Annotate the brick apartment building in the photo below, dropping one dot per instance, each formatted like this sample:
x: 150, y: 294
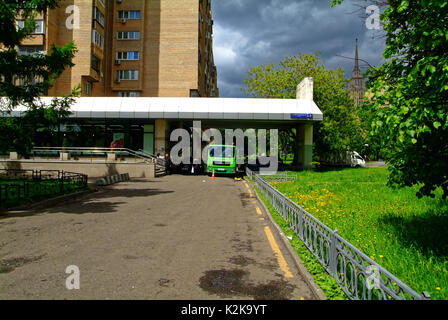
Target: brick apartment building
x: 132, y: 48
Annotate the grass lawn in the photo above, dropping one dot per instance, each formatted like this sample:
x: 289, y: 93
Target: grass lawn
x: 407, y: 236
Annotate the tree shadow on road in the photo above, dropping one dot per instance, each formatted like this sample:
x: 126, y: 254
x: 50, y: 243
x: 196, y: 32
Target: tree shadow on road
x: 132, y: 193
x: 98, y: 202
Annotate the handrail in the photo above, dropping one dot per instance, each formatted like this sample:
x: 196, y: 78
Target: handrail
x: 147, y: 154
x: 92, y: 150
x: 159, y: 161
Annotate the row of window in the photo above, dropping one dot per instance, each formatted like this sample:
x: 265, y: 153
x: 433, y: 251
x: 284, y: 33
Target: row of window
x: 126, y: 75
x: 30, y: 50
x: 129, y: 14
x: 88, y: 91
x: 128, y: 55
x: 128, y: 35
x: 129, y: 93
x: 98, y: 39
x: 122, y: 35
x: 40, y: 26
x: 98, y: 16
x: 123, y: 94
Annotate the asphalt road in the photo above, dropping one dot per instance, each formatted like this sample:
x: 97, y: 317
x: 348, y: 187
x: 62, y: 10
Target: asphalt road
x: 176, y: 237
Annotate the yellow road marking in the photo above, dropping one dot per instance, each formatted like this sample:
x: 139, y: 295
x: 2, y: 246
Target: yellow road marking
x: 280, y: 259
x: 258, y: 211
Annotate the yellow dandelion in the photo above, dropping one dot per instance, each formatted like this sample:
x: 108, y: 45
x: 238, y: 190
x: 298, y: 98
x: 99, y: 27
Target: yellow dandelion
x: 438, y: 288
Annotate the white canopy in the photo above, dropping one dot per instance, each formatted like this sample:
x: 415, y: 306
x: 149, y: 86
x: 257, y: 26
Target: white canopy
x: 191, y: 108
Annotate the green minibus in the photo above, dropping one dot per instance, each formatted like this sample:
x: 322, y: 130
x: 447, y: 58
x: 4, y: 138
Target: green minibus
x: 221, y: 158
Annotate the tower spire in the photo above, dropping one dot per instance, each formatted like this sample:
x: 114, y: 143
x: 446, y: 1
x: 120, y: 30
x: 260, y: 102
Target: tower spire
x: 356, y: 57
x: 357, y: 84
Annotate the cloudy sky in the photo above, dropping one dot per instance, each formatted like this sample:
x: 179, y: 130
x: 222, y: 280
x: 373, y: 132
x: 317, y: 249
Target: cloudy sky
x: 253, y: 32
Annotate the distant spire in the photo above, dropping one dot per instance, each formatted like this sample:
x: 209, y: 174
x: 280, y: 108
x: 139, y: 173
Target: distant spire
x: 356, y: 57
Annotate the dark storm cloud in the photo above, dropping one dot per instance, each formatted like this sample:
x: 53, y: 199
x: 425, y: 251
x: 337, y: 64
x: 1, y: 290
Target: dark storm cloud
x: 253, y: 32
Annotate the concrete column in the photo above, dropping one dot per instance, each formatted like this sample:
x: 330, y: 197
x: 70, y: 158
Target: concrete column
x: 64, y: 156
x: 161, y: 136
x: 111, y: 156
x: 299, y: 144
x: 307, y: 153
x: 13, y: 156
x: 305, y: 89
x: 304, y: 144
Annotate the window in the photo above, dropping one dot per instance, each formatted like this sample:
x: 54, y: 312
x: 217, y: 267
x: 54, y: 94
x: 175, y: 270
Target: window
x: 40, y: 26
x: 222, y: 152
x: 30, y: 50
x: 87, y: 88
x: 98, y: 16
x: 132, y: 14
x: 127, y: 75
x: 129, y: 94
x: 29, y: 80
x: 96, y: 63
x: 128, y: 35
x: 98, y: 39
x: 130, y: 55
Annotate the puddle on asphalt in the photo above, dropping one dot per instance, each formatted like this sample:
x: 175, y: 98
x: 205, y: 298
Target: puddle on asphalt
x: 227, y: 283
x: 8, y: 265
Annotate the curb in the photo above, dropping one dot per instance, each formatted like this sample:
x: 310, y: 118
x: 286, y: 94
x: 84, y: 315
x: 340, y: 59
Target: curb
x: 317, y: 291
x: 113, y: 179
x: 51, y: 202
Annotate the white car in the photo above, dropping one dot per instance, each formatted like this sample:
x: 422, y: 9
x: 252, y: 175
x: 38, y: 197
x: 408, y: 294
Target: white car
x: 355, y: 159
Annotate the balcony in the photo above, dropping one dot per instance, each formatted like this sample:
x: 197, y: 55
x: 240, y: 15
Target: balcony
x: 34, y: 40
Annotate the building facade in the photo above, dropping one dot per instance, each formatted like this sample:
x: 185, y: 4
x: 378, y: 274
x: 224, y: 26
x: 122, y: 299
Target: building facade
x: 131, y: 48
x: 126, y: 49
x: 357, y: 84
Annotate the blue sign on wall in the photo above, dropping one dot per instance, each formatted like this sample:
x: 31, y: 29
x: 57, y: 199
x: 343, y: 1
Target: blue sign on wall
x: 301, y: 115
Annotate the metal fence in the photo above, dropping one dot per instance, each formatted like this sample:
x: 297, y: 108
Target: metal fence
x: 17, y: 185
x: 360, y: 277
x: 91, y: 153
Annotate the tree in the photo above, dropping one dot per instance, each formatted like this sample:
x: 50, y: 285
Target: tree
x: 17, y: 133
x: 410, y: 94
x: 340, y: 131
x: 24, y: 78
